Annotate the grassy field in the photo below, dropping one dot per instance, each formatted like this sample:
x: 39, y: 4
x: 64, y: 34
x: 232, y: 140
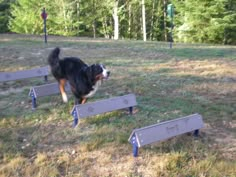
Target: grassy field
x: 168, y: 83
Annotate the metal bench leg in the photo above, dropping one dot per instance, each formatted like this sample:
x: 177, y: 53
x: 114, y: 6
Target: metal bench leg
x: 33, y: 102
x: 135, y: 150
x: 45, y: 78
x: 135, y: 146
x: 196, y: 133
x: 75, y: 123
x: 76, y: 119
x: 130, y: 110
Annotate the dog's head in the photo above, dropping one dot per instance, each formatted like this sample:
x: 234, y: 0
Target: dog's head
x: 98, y: 72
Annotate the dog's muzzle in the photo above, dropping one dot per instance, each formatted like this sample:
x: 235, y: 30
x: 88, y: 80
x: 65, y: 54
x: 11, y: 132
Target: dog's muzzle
x: 106, y: 74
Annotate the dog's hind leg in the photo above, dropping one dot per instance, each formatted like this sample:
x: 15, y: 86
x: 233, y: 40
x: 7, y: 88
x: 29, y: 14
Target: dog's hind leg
x: 62, y: 83
x: 80, y: 101
x: 83, y: 100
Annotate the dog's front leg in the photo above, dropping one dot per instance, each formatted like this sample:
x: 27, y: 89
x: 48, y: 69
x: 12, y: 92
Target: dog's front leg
x: 62, y: 83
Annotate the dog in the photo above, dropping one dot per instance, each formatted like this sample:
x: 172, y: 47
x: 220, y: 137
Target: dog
x: 84, y: 80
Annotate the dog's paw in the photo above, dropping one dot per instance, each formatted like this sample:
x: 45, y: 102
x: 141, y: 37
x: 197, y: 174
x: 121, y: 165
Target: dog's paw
x: 64, y: 98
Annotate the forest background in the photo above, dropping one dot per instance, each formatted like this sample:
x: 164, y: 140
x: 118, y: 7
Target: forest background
x: 194, y: 21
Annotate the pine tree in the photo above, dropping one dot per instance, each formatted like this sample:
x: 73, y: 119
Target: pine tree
x: 26, y: 17
x: 4, y: 15
x: 202, y: 20
x: 230, y: 23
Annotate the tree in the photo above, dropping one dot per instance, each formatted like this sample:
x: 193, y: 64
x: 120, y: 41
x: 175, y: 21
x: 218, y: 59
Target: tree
x: 89, y: 17
x: 144, y: 21
x: 116, y: 20
x: 4, y: 15
x: 61, y: 17
x: 212, y: 21
x: 230, y: 23
x: 25, y: 17
x: 203, y: 20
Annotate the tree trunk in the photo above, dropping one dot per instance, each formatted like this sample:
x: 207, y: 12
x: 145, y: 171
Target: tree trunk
x: 144, y: 21
x: 65, y: 28
x: 104, y: 25
x: 94, y: 21
x: 152, y: 19
x: 116, y: 20
x: 164, y: 14
x: 129, y: 28
x: 94, y: 28
x: 78, y: 13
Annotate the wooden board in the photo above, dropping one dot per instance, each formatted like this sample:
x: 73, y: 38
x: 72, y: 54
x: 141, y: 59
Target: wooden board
x: 107, y: 105
x: 165, y: 130
x: 24, y: 74
x: 47, y: 89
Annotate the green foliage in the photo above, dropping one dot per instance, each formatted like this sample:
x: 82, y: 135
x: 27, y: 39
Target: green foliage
x: 202, y: 21
x: 4, y: 15
x: 205, y: 21
x: 230, y: 23
x: 27, y: 17
x: 96, y: 18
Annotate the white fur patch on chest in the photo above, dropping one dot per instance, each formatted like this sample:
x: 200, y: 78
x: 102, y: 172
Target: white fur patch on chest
x: 95, y: 88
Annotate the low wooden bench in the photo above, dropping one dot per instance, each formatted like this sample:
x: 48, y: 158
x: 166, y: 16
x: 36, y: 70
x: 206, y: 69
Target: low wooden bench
x: 164, y: 130
x: 103, y: 106
x: 24, y: 74
x: 45, y: 90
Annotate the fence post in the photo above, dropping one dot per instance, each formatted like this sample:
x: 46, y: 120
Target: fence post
x: 44, y: 17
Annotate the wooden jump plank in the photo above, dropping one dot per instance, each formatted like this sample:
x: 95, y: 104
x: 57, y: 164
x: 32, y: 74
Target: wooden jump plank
x: 24, y: 74
x: 45, y: 90
x: 165, y: 130
x: 103, y: 106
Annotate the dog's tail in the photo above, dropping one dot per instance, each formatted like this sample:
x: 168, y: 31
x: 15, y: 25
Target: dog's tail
x: 53, y: 58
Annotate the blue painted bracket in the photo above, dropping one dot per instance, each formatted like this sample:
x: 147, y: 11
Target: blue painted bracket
x: 135, y: 145
x: 76, y: 118
x: 33, y: 98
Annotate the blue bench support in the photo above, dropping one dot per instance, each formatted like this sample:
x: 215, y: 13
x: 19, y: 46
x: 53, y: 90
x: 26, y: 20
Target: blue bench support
x: 45, y: 90
x: 46, y: 78
x: 165, y: 130
x: 103, y: 106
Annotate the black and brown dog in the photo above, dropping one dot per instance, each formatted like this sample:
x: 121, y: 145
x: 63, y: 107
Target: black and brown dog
x: 84, y: 80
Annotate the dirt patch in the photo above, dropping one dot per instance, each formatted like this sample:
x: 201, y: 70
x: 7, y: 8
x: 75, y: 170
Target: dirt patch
x: 223, y: 139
